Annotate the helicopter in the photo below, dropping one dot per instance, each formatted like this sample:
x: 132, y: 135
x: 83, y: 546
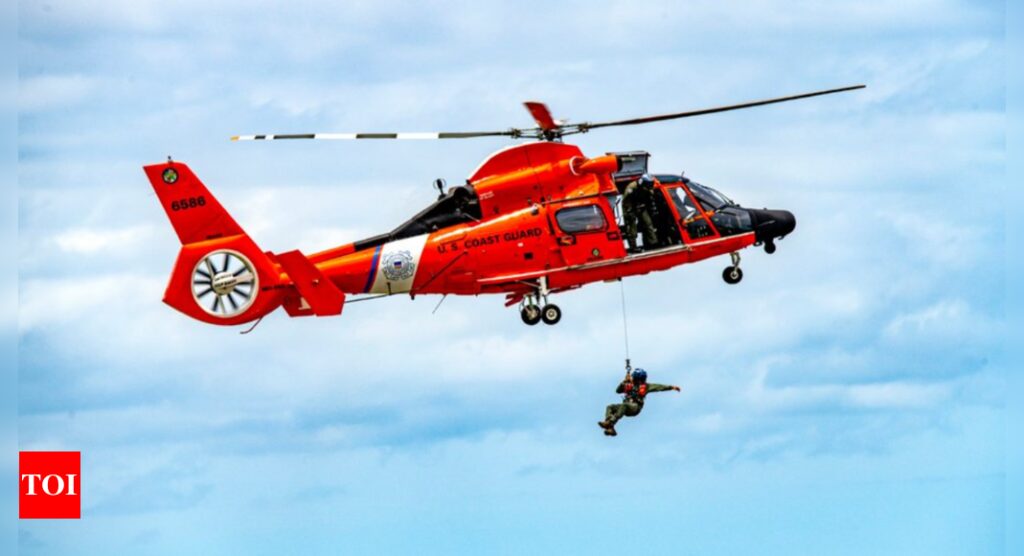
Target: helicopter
x: 533, y: 220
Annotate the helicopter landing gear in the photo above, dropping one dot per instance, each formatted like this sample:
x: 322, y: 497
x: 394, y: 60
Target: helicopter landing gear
x: 530, y: 313
x: 769, y: 247
x: 551, y: 314
x: 732, y: 274
x: 533, y: 312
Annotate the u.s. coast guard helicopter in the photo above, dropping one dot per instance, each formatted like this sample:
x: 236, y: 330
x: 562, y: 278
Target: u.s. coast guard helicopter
x: 531, y: 221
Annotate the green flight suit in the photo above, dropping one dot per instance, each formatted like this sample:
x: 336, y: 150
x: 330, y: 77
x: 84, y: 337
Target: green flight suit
x: 632, y: 403
x: 637, y: 200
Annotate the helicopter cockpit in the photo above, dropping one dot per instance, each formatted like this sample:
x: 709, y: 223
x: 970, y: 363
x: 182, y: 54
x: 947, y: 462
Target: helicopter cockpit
x: 685, y: 211
x: 726, y: 216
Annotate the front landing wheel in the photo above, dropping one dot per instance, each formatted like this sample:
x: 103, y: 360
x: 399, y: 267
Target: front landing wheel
x: 530, y: 314
x: 551, y: 314
x: 732, y: 275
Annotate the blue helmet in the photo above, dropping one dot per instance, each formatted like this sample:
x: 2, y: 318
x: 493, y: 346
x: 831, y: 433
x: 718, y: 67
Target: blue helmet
x: 639, y: 375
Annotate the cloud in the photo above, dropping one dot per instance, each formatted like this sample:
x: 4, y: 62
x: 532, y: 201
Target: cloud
x: 897, y: 395
x: 167, y: 481
x: 92, y: 241
x: 864, y: 345
x: 50, y: 92
x: 474, y: 21
x: 53, y: 301
x: 932, y: 237
x: 881, y: 396
x: 946, y: 321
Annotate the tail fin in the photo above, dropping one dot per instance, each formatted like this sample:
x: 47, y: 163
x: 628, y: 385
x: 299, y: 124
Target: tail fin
x: 221, y: 276
x: 195, y: 214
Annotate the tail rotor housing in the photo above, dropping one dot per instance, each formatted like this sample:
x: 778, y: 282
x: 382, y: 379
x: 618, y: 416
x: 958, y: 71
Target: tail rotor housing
x: 224, y: 283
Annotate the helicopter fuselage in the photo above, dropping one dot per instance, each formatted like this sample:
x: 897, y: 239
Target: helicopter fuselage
x: 533, y: 220
x: 520, y: 239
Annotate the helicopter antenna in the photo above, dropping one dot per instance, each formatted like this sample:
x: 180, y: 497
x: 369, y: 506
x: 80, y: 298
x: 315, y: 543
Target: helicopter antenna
x: 548, y: 128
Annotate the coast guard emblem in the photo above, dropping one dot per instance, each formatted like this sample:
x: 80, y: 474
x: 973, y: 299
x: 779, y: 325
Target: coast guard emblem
x: 170, y: 175
x: 398, y: 266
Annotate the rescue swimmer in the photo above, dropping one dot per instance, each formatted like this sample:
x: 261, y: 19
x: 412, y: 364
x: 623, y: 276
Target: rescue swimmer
x: 634, y: 389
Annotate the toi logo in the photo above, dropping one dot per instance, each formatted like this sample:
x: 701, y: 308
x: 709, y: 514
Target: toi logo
x: 51, y: 485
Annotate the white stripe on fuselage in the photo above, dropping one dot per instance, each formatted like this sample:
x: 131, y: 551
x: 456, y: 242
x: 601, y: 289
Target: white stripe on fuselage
x: 399, y: 262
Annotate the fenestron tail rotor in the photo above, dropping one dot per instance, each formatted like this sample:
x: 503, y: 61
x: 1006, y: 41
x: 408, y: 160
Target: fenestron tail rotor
x: 547, y: 128
x: 224, y: 283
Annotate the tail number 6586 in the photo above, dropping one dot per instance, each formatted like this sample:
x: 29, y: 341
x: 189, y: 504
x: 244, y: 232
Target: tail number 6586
x: 185, y: 204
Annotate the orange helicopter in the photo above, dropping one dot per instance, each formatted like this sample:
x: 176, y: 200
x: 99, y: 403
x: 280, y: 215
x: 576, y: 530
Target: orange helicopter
x: 532, y: 220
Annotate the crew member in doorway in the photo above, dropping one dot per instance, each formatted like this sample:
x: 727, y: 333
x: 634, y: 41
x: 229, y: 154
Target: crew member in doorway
x: 637, y: 205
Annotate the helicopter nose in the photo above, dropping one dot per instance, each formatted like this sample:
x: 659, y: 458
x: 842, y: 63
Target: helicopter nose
x: 772, y: 224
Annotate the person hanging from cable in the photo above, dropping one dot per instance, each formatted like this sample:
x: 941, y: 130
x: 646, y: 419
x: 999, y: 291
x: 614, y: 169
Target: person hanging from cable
x: 634, y: 388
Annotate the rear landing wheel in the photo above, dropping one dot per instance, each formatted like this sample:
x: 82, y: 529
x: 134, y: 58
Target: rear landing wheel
x: 551, y: 314
x: 530, y: 314
x: 732, y: 275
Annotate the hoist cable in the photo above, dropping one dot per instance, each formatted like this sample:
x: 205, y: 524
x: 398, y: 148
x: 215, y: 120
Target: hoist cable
x: 625, y: 327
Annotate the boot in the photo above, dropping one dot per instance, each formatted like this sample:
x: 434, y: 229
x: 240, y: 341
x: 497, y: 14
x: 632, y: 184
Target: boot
x: 604, y: 425
x: 610, y: 431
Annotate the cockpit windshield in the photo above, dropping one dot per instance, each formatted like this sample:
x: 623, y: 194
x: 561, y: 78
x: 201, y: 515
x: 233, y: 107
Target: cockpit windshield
x: 683, y: 203
x: 710, y: 198
x: 666, y: 179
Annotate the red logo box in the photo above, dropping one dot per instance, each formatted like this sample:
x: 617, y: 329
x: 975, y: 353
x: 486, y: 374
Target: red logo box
x: 50, y: 485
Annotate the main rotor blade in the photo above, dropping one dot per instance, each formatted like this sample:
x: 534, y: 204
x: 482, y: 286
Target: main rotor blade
x: 541, y: 115
x: 412, y: 135
x: 583, y: 127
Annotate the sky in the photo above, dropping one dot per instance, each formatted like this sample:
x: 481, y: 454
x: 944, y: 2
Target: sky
x: 846, y: 398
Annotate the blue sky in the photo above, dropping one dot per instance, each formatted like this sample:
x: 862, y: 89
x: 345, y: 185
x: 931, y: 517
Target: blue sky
x: 846, y: 398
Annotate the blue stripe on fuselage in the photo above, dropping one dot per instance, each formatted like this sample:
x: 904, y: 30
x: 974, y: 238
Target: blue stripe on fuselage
x: 373, y: 269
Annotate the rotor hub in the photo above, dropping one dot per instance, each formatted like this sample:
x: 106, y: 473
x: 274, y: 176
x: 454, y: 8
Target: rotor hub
x: 224, y: 283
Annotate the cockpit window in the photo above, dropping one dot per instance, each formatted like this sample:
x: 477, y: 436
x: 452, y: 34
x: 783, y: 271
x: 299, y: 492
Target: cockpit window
x: 689, y: 216
x: 683, y: 203
x: 587, y: 218
x: 710, y: 198
x: 666, y: 179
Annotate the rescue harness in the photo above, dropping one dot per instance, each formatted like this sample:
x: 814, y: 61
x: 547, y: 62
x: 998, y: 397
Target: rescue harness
x: 635, y: 394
